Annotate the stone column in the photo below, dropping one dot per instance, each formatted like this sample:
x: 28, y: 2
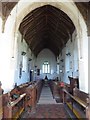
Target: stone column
x: 88, y: 26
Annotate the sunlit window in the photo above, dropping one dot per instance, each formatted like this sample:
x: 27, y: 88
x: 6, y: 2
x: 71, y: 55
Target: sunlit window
x: 24, y: 64
x: 46, y: 67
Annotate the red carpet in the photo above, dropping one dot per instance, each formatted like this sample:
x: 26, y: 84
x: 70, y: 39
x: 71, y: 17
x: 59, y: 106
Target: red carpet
x: 51, y: 111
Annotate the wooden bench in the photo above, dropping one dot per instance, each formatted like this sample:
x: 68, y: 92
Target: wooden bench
x: 32, y: 94
x: 60, y: 89
x: 20, y: 98
x: 77, y: 102
x: 55, y: 89
x: 39, y: 86
x: 16, y: 101
x: 13, y: 108
x: 1, y: 106
x: 72, y: 83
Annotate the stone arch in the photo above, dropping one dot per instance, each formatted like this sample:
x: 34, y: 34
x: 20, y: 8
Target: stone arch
x: 71, y: 10
x: 41, y: 58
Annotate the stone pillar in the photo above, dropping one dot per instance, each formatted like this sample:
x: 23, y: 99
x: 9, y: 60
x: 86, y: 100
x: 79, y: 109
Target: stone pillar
x: 88, y: 25
x: 88, y: 19
x: 88, y: 64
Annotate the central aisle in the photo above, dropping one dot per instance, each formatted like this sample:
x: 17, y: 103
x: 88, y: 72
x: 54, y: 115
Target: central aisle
x: 46, y: 96
x: 46, y: 107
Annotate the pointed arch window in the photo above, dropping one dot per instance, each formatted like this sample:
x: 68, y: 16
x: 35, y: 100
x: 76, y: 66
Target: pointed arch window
x: 46, y: 67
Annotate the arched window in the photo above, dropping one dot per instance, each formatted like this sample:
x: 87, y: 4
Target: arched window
x: 46, y: 67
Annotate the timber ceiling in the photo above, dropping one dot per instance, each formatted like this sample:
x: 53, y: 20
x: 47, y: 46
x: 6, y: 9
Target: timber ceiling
x: 7, y: 7
x: 45, y: 27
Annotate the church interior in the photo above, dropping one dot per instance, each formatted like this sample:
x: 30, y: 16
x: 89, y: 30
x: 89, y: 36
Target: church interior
x: 44, y: 59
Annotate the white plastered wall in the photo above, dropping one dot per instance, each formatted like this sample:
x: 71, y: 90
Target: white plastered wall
x: 47, y: 55
x: 70, y: 64
x: 24, y: 59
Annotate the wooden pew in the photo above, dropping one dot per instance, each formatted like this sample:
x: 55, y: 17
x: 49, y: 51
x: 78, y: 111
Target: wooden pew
x: 13, y: 108
x: 88, y: 108
x: 31, y: 96
x: 32, y: 90
x: 72, y: 83
x: 20, y: 98
x: 54, y: 86
x: 1, y: 106
x: 15, y: 101
x: 60, y: 89
x: 29, y: 89
x: 76, y: 102
x: 39, y: 86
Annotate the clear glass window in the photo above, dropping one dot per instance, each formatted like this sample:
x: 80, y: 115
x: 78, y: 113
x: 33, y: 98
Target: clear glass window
x: 46, y: 67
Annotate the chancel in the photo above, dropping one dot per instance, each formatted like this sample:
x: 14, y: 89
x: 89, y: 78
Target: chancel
x: 44, y: 56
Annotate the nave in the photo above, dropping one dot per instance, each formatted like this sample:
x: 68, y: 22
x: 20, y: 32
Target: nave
x: 45, y: 59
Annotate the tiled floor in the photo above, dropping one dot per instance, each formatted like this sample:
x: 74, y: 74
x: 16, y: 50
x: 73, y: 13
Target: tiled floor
x: 47, y: 108
x: 47, y: 111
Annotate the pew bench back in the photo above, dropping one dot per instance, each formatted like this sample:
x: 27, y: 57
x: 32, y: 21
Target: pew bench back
x: 77, y: 102
x: 81, y: 95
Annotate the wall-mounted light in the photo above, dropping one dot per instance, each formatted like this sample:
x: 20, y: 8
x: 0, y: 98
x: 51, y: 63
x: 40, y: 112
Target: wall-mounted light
x: 23, y: 53
x: 29, y: 59
x: 61, y: 71
x: 68, y: 54
x: 67, y: 71
x: 35, y: 66
x: 57, y: 63
x: 62, y: 60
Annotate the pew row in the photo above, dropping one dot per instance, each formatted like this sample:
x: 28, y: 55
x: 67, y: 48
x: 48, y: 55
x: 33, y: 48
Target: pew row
x: 78, y: 103
x: 13, y: 109
x: 72, y: 84
x: 20, y: 98
x: 54, y: 89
